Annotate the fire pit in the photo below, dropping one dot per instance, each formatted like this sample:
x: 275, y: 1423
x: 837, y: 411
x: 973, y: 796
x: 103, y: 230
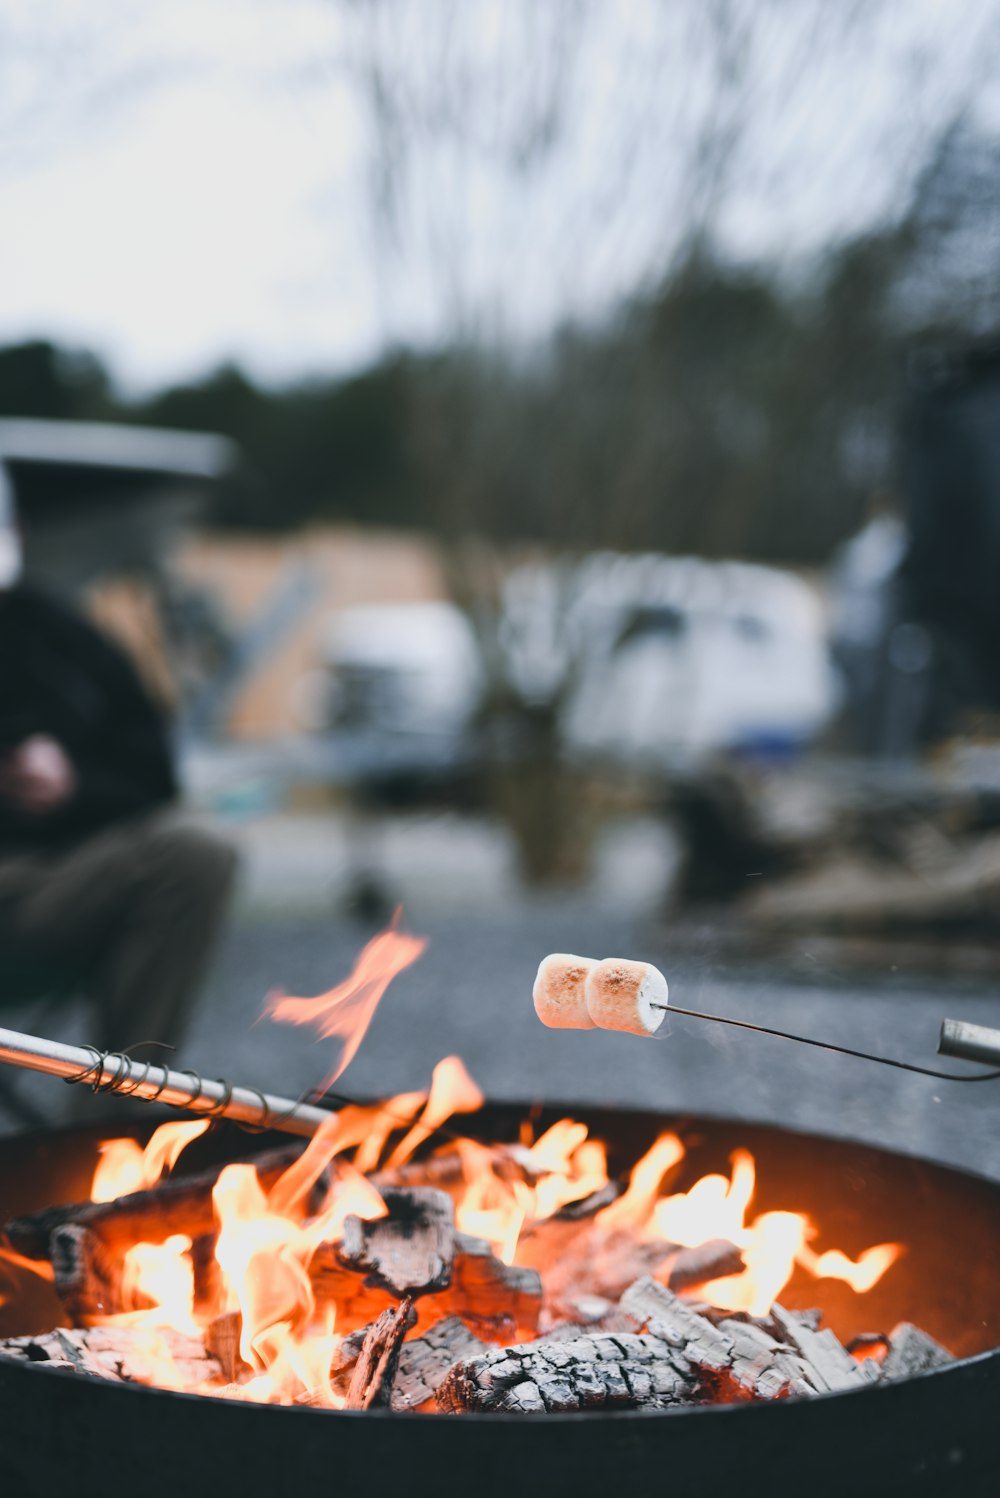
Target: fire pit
x: 709, y: 1387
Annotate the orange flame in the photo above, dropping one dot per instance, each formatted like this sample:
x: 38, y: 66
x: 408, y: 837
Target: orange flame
x: 124, y: 1166
x: 347, y: 1010
x: 161, y: 1273
x: 452, y: 1091
x: 714, y: 1207
x: 632, y: 1209
x: 511, y: 1195
x: 9, y: 1259
x: 265, y: 1258
x: 860, y: 1273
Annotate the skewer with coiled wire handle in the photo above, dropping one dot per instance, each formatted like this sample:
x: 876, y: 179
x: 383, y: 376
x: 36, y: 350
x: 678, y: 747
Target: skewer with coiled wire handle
x: 118, y: 1073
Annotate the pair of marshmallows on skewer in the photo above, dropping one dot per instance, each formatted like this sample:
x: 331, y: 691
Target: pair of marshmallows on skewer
x: 580, y: 993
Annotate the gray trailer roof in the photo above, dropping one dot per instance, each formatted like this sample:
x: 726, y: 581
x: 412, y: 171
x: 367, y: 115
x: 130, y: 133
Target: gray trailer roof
x: 93, y: 444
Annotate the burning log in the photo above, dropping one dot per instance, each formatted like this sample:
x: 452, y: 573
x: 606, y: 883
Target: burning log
x: 410, y: 1251
x: 626, y: 1370
x: 181, y: 1204
x: 609, y: 1262
x: 447, y: 1169
x: 911, y: 1351
x: 423, y: 1362
x: 371, y: 1380
x: 222, y: 1340
x: 495, y: 1299
x: 707, y: 1261
x: 357, y: 1303
x: 588, y: 1206
x: 86, y: 1278
x: 123, y: 1354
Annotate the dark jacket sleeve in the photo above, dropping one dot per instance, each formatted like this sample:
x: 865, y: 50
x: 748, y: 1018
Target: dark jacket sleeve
x: 84, y: 692
x: 132, y: 772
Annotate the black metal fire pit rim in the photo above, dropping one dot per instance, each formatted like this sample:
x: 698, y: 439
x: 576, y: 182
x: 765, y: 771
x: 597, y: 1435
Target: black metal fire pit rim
x: 678, y: 1121
x: 534, y: 1109
x: 982, y: 1362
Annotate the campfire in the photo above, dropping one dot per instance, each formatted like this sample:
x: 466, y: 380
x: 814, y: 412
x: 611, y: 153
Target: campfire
x: 397, y: 1262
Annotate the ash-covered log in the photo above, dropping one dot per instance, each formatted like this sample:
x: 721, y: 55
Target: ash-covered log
x: 628, y: 1371
x: 408, y: 1252
x: 912, y: 1351
x: 125, y: 1354
x: 739, y: 1359
x: 424, y: 1363
x: 830, y: 1365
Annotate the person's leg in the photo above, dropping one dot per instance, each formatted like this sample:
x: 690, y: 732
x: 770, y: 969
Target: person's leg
x: 146, y: 983
x: 133, y: 912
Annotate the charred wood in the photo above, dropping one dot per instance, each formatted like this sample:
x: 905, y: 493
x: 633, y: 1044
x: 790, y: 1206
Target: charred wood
x: 607, y: 1262
x: 85, y: 1276
x: 410, y: 1251
x: 371, y: 1380
x: 707, y: 1261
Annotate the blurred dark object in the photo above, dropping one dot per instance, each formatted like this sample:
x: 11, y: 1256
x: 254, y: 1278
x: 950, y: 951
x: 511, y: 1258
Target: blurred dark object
x: 917, y: 627
x: 725, y: 841
x: 104, y: 891
x: 109, y: 502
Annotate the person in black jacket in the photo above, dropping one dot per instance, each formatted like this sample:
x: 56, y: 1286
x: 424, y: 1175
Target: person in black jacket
x: 104, y: 889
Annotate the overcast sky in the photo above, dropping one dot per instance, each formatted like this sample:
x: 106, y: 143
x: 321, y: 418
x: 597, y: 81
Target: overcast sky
x: 185, y: 181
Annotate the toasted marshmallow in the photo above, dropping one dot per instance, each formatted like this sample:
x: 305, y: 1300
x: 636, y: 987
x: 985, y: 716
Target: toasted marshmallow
x: 626, y: 995
x: 560, y: 991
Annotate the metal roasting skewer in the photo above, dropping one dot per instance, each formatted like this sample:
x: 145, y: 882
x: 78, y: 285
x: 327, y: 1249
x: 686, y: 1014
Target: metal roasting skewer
x: 959, y: 1039
x: 114, y: 1071
x: 117, y: 1072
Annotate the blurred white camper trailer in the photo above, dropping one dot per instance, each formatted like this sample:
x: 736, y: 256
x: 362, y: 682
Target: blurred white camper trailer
x: 651, y: 657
